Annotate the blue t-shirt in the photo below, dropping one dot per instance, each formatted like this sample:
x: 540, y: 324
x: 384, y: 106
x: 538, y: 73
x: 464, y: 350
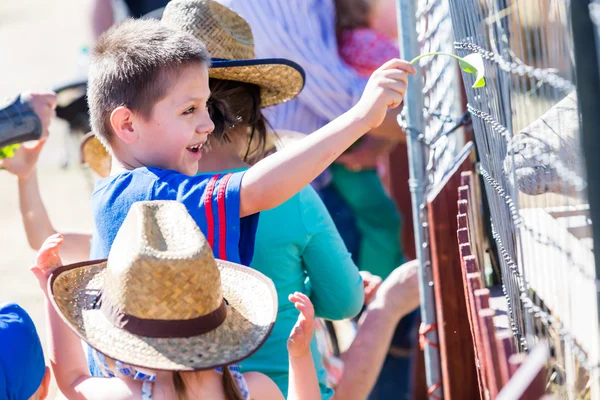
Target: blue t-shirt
x: 232, y: 237
x: 113, y: 196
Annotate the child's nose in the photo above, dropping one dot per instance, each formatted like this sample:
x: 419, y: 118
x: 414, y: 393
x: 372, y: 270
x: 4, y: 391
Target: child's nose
x: 207, y: 126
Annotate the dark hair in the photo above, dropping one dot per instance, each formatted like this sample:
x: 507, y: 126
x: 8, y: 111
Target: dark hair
x: 230, y: 387
x: 236, y: 104
x: 133, y: 65
x: 352, y: 14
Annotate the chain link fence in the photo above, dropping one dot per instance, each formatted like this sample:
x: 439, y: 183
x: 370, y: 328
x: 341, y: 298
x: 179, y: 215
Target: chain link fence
x: 526, y: 127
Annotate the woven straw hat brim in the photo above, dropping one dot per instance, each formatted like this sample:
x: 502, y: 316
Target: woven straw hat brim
x: 94, y: 154
x: 250, y: 318
x: 280, y: 79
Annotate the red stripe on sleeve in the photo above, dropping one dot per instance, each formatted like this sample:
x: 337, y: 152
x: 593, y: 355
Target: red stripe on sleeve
x: 222, y: 217
x: 210, y: 221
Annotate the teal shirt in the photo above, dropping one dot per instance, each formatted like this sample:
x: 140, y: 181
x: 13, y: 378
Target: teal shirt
x: 299, y: 248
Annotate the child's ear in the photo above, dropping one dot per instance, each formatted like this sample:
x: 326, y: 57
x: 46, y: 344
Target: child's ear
x: 121, y: 121
x: 44, y: 389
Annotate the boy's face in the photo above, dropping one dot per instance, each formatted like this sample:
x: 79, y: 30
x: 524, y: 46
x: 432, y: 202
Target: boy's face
x: 173, y: 136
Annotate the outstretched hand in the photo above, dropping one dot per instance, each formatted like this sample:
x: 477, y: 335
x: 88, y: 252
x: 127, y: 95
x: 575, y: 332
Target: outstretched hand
x: 302, y: 333
x: 385, y: 90
x: 48, y: 259
x: 27, y: 154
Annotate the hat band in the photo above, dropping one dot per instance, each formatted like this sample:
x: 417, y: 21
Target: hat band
x: 163, y: 328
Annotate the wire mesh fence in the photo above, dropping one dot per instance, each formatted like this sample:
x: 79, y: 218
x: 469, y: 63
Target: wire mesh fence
x: 526, y: 129
x: 527, y: 133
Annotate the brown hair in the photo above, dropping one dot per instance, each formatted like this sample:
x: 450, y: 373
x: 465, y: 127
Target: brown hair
x: 236, y: 105
x: 231, y: 389
x: 133, y: 64
x: 352, y: 14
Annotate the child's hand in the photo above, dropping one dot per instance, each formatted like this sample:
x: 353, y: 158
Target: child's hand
x: 371, y: 284
x: 302, y: 333
x: 385, y: 90
x: 47, y: 260
x: 27, y: 154
x: 44, y: 106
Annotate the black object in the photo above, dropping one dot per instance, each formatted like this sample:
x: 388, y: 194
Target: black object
x: 74, y: 112
x: 18, y: 123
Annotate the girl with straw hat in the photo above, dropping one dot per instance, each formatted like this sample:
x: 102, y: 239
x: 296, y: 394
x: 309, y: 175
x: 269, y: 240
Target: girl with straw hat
x: 297, y: 244
x: 163, y: 303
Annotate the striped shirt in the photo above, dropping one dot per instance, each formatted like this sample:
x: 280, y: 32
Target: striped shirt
x: 303, y: 31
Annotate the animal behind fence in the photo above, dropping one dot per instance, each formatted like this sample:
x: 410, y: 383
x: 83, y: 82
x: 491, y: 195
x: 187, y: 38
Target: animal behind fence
x: 526, y: 128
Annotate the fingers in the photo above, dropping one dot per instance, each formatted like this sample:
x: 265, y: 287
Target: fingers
x: 46, y: 98
x: 302, y: 304
x: 48, y: 257
x: 396, y: 63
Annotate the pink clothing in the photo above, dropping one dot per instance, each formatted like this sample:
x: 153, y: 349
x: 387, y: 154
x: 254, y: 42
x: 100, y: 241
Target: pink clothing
x: 365, y: 50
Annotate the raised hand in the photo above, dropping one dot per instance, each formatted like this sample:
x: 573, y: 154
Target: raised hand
x: 385, y: 90
x: 302, y: 333
x: 26, y: 156
x: 47, y: 259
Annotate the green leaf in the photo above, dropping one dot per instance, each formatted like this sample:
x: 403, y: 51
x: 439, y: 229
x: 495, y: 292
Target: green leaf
x: 8, y: 151
x: 471, y: 64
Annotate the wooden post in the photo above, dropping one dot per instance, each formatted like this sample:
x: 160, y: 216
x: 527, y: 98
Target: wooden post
x: 457, y: 355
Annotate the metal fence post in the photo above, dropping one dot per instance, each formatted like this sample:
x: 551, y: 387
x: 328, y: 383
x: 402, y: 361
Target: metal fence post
x: 587, y: 71
x: 407, y: 25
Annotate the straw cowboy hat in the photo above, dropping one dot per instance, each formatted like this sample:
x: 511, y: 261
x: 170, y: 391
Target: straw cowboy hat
x: 161, y: 300
x: 228, y: 39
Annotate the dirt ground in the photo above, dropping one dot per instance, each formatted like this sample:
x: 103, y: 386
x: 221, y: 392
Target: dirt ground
x: 39, y: 48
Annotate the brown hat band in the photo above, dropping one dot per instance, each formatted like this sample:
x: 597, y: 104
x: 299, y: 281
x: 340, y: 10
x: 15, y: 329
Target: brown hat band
x: 162, y: 328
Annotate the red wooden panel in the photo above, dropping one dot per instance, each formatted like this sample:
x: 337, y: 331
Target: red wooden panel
x: 504, y: 341
x: 528, y: 381
x: 459, y: 374
x: 482, y: 299
x: 493, y: 363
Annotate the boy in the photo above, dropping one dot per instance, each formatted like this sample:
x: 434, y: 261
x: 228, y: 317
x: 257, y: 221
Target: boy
x: 23, y: 372
x: 148, y: 95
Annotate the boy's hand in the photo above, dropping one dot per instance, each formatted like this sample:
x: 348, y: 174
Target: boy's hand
x: 385, y: 90
x: 27, y: 155
x: 302, y: 333
x: 47, y: 260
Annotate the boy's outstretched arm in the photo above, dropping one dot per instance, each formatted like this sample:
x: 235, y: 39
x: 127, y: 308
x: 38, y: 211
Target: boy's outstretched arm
x: 280, y: 176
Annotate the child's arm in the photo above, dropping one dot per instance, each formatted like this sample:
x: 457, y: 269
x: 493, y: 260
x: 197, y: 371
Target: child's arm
x: 66, y: 355
x: 278, y: 177
x: 33, y: 212
x: 303, y: 382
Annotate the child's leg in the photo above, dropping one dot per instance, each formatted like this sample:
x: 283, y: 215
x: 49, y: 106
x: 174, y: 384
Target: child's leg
x: 377, y: 219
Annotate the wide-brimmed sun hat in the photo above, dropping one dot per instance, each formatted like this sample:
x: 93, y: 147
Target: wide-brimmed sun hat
x: 228, y: 39
x: 161, y: 300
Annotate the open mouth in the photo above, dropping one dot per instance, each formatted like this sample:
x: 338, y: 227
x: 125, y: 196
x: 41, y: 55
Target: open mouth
x: 196, y: 148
